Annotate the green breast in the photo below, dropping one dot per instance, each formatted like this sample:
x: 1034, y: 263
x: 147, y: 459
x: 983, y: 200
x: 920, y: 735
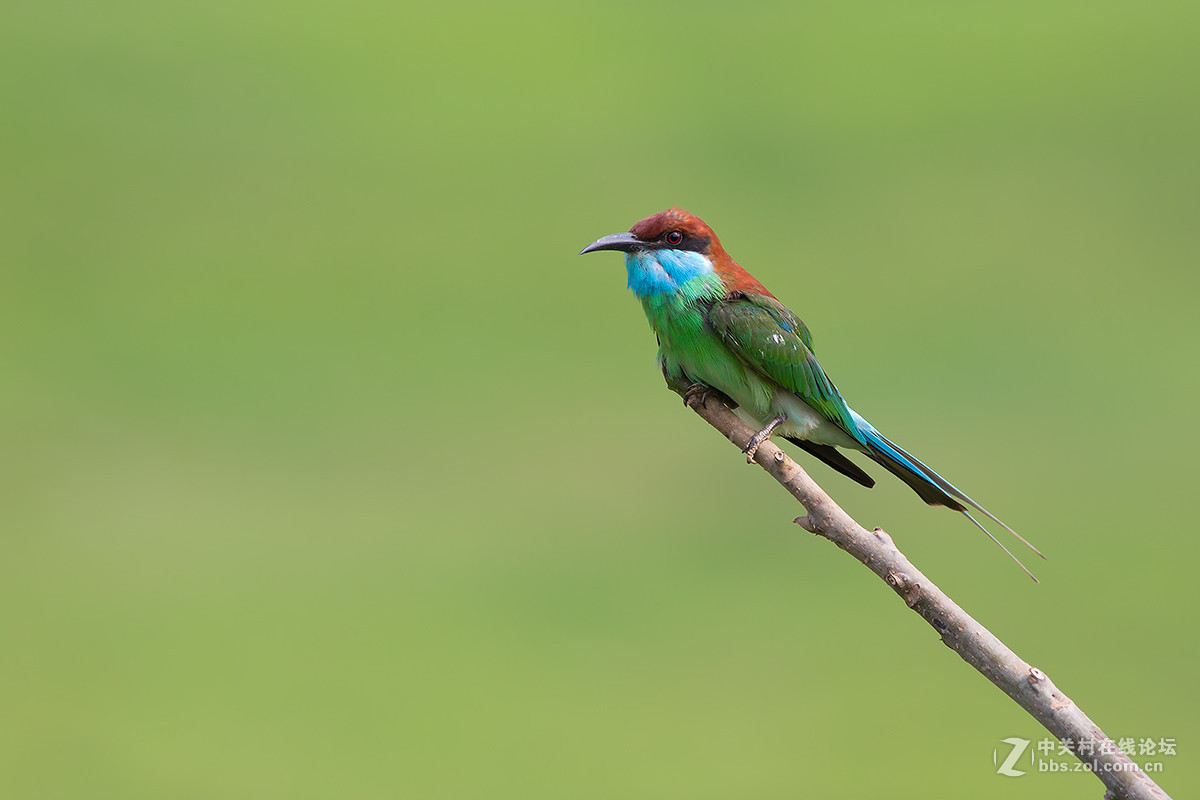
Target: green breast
x: 688, y: 346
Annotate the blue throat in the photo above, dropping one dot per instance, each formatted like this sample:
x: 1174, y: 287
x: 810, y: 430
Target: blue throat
x: 658, y: 272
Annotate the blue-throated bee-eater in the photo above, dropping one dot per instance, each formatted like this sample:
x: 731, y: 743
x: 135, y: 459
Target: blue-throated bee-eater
x: 720, y: 329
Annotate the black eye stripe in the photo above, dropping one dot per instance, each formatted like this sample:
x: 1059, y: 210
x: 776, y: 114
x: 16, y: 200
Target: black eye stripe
x: 684, y: 242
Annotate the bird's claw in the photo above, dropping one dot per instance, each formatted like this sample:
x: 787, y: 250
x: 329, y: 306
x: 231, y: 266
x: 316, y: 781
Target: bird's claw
x: 751, y: 448
x: 757, y: 439
x: 697, y: 394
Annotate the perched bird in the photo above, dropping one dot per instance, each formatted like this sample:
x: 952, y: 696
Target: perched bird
x: 720, y: 329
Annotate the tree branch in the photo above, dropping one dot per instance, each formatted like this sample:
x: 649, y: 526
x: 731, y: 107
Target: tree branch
x: 1031, y: 688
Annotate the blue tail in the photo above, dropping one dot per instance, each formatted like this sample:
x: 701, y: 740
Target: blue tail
x: 929, y: 486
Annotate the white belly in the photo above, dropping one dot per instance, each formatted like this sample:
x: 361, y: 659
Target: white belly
x: 802, y: 422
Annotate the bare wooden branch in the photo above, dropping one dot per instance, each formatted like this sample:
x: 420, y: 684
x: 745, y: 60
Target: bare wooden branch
x: 1031, y: 688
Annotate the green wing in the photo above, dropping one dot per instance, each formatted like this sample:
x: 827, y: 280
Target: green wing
x: 772, y: 341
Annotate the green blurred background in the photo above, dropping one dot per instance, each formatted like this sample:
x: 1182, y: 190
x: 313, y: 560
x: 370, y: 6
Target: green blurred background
x: 332, y: 471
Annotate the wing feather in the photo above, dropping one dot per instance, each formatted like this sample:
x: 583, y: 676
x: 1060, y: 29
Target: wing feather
x: 766, y: 336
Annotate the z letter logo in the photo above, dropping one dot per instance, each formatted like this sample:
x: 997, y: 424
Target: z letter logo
x: 1018, y: 748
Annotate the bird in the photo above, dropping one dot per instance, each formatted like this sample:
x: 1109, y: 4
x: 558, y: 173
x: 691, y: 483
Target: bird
x: 721, y: 332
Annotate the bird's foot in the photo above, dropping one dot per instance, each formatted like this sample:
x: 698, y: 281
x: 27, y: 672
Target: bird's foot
x: 757, y: 439
x: 697, y: 394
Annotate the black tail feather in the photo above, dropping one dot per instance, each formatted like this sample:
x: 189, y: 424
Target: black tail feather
x: 931, y: 493
x: 936, y: 490
x: 834, y: 458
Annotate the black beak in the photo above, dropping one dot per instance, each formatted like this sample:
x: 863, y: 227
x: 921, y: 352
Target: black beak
x: 617, y: 241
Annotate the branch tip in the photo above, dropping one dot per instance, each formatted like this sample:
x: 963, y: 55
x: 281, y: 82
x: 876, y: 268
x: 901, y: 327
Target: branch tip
x: 807, y: 523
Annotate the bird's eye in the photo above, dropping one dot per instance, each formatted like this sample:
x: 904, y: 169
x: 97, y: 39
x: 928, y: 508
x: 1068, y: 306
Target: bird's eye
x: 674, y: 237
